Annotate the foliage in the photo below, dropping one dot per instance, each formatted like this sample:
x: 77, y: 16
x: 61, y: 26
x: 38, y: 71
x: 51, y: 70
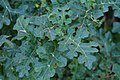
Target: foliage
x: 59, y: 39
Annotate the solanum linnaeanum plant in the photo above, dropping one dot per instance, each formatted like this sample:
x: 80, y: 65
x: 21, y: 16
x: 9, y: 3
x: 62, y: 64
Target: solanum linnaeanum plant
x: 59, y: 40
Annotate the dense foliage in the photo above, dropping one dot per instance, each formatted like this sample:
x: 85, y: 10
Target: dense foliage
x: 59, y: 39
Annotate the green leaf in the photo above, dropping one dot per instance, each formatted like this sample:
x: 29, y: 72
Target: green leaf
x: 19, y: 57
x: 97, y: 14
x: 82, y: 33
x: 73, y: 44
x: 59, y: 39
x: 77, y: 70
x: 61, y: 61
x: 83, y: 1
x: 23, y: 69
x: 3, y: 39
x: 71, y: 54
x: 50, y: 60
x: 21, y: 26
x: 43, y: 27
x: 46, y: 74
x: 41, y: 49
x: 116, y: 13
x: 58, y: 15
x: 116, y: 8
x: 4, y: 20
x: 116, y: 27
x: 39, y: 20
x: 87, y: 59
x: 116, y: 69
x: 37, y: 65
x: 61, y: 47
x: 104, y: 39
x: 51, y: 34
x: 21, y: 10
x: 54, y: 1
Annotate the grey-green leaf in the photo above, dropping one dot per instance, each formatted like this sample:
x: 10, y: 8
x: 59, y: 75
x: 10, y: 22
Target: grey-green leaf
x: 87, y: 60
x: 97, y: 14
x: 116, y: 69
x: 116, y: 27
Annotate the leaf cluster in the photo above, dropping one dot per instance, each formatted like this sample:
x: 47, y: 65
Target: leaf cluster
x: 59, y: 39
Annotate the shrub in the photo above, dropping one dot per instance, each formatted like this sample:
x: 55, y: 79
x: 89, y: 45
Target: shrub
x: 59, y: 39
